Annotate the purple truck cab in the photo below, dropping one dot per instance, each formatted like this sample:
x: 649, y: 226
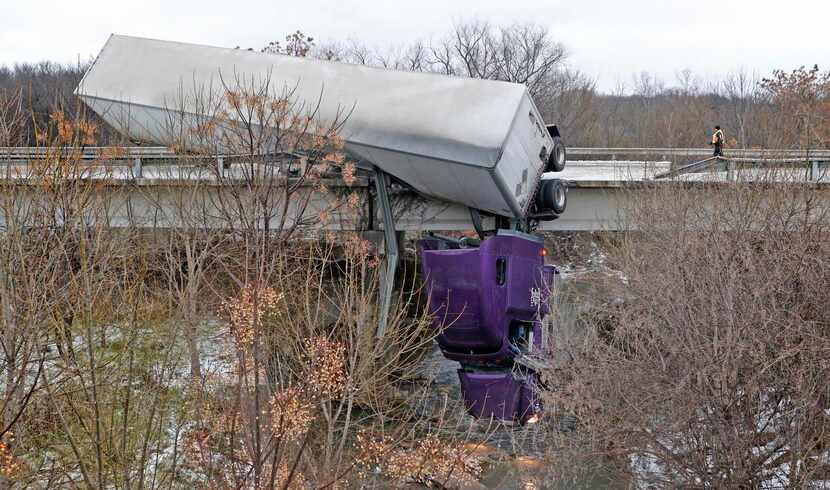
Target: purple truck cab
x: 488, y: 303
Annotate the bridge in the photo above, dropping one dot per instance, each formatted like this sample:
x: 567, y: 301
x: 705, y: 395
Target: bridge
x: 148, y: 180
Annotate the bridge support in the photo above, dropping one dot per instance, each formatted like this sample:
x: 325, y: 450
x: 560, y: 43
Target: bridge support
x: 387, y: 279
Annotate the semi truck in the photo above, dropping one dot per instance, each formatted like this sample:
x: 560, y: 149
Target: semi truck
x: 479, y: 143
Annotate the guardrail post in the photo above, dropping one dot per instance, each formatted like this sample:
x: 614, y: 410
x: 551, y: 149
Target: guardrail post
x: 730, y: 171
x: 814, y: 170
x: 136, y: 168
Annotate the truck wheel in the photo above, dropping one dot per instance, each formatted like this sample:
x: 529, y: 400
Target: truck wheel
x: 553, y: 195
x: 560, y: 195
x: 558, y: 156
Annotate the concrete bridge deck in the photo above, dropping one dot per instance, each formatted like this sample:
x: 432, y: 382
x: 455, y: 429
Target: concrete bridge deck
x: 149, y: 183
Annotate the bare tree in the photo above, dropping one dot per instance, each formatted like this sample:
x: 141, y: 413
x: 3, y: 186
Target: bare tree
x: 568, y: 99
x: 703, y: 365
x: 742, y: 92
x: 12, y: 117
x: 800, y: 105
x: 520, y: 53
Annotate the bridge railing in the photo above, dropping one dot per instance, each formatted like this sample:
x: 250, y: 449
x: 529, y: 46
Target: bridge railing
x: 579, y: 153
x: 815, y: 163
x: 671, y: 154
x: 90, y: 152
x: 134, y: 158
x: 652, y: 162
x: 161, y: 152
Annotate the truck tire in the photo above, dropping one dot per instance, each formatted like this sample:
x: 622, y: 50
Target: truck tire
x: 553, y: 195
x: 558, y: 156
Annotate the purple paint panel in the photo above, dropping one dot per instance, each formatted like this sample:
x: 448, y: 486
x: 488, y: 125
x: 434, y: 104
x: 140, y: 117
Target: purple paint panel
x: 488, y: 303
x: 499, y: 395
x: 490, y: 394
x: 481, y: 296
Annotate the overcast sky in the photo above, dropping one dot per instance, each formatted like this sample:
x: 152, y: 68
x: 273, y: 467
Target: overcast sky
x: 608, y: 39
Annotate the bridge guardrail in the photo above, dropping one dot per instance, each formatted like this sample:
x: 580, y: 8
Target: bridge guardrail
x: 128, y: 156
x: 692, y: 160
x: 164, y: 153
x: 669, y: 153
x: 136, y: 157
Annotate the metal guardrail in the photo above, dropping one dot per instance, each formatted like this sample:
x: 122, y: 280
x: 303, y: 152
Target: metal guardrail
x: 163, y: 153
x: 815, y: 167
x: 136, y: 156
x: 693, y: 160
x: 133, y: 156
x: 701, y: 152
x: 670, y: 153
x: 690, y: 168
x: 119, y: 153
x: 90, y: 152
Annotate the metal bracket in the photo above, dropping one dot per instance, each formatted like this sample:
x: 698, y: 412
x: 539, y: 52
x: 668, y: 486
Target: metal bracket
x: 475, y: 215
x: 387, y: 280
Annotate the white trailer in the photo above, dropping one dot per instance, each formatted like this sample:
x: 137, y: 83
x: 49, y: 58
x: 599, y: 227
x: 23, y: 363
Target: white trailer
x: 479, y: 143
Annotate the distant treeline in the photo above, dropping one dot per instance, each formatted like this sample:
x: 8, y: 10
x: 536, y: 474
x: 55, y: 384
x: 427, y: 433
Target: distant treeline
x: 39, y: 89
x: 780, y: 110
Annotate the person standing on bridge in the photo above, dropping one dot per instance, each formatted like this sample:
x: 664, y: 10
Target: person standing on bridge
x: 717, y: 141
